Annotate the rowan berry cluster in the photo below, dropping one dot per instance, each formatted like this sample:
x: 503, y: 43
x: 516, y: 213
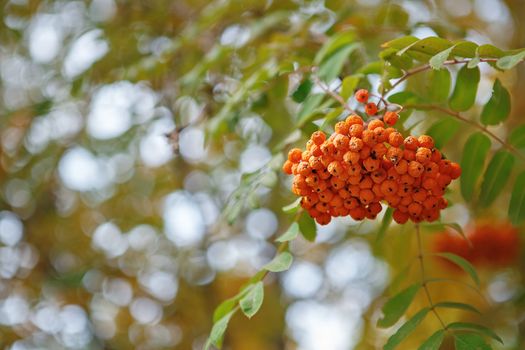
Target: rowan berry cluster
x: 361, y: 164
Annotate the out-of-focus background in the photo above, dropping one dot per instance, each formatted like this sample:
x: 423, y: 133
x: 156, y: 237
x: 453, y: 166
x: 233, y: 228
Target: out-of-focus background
x: 126, y: 126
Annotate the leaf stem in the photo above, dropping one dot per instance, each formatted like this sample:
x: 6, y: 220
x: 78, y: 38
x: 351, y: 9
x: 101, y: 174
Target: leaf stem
x: 334, y: 95
x: 478, y: 126
x: 424, y: 279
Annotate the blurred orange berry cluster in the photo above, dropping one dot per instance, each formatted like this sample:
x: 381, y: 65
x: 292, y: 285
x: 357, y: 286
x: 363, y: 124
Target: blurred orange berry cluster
x: 491, y: 244
x: 361, y: 164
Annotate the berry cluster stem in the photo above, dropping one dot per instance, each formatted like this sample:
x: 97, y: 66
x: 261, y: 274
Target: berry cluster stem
x: 424, y: 280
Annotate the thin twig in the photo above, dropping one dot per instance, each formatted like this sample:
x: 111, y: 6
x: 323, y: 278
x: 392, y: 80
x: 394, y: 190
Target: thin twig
x: 335, y: 96
x: 484, y: 129
x: 424, y: 279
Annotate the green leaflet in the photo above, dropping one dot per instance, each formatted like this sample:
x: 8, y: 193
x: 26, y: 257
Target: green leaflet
x: 473, y: 327
x: 434, y: 341
x: 497, y: 109
x: 469, y: 341
x: 443, y: 130
x: 472, y: 162
x: 508, y: 62
x: 396, y: 306
x: 307, y: 227
x: 290, y: 234
x: 464, y: 94
x: 405, y: 330
x: 517, y: 137
x: 464, y: 264
x: 496, y: 177
x: 281, y: 262
x: 251, y: 302
x: 438, y: 85
x: 517, y: 201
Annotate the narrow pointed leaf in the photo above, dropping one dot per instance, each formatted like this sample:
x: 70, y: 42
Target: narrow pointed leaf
x: 439, y: 85
x: 469, y: 341
x: 508, y: 62
x: 434, y: 341
x: 308, y: 108
x: 280, y: 263
x: 385, y: 224
x: 517, y: 137
x: 290, y: 234
x: 292, y: 207
x: 331, y: 66
x: 456, y: 305
x: 251, y: 303
x: 218, y: 330
x: 472, y: 163
x: 395, y: 307
x: 405, y: 330
x: 464, y: 94
x: 517, y: 201
x: 464, y: 264
x: 349, y: 85
x: 475, y: 328
x: 302, y: 91
x: 443, y: 130
x: 497, y: 109
x: 436, y: 62
x: 496, y: 177
x: 307, y: 227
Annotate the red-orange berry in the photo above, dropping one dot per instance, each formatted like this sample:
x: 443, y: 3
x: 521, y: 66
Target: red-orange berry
x: 376, y: 123
x: 287, y: 167
x: 411, y: 143
x: 354, y: 119
x: 361, y: 96
x: 318, y: 137
x: 391, y: 118
x: 400, y: 217
x: 294, y: 155
x: 426, y: 141
x: 371, y: 108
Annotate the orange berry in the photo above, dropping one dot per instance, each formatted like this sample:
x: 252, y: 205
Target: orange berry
x: 393, y: 201
x: 377, y: 190
x: 312, y: 180
x: 406, y: 179
x: 316, y: 151
x: 386, y: 163
x: 381, y: 134
x: 455, y: 170
x: 328, y: 148
x: 400, y: 217
x: 341, y: 142
x: 375, y: 208
x: 323, y: 174
x: 415, y: 169
x: 442, y: 203
x: 354, y: 180
x: 429, y: 183
x: 431, y: 202
x: 426, y: 141
x: 391, y: 118
x: 336, y: 201
x: 375, y: 123
x: 431, y: 170
x: 335, y: 168
x: 343, y: 193
x: 361, y: 96
x: 341, y: 128
x: 404, y: 190
x: 337, y: 183
x: 401, y: 167
x: 406, y: 201
x: 378, y: 176
x: 323, y: 219
x: 411, y: 143
x: 321, y: 186
x: 378, y: 151
x: 353, y: 170
x: 436, y: 155
x: 366, y: 183
x: 315, y: 163
x: 318, y: 137
x: 409, y: 154
x: 423, y: 155
x: 355, y: 130
x: 430, y: 215
x: 305, y: 156
x: 354, y: 119
x: 358, y: 213
x: 350, y: 203
x: 371, y: 108
x: 394, y: 154
x: 445, y: 166
x: 369, y: 138
x: 355, y: 144
x: 419, y: 195
x: 294, y: 155
x: 351, y: 157
x: 443, y: 180
x: 354, y: 190
x: 389, y: 187
x: 314, y: 212
x: 395, y: 139
x: 392, y: 174
x: 365, y: 152
x: 322, y: 207
x: 371, y: 164
x: 366, y: 196
x: 304, y: 169
x: 287, y: 167
x: 414, y: 209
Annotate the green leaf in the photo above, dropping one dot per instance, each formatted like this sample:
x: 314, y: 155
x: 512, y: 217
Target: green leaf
x: 496, y: 177
x: 443, y: 130
x: 385, y: 224
x: 464, y: 264
x: 469, y: 341
x: 307, y: 227
x: 404, y: 97
x: 349, y: 85
x: 464, y: 94
x: 472, y: 162
x: 490, y: 51
x: 251, y: 303
x: 308, y: 108
x: 475, y: 328
x: 497, y: 109
x: 330, y: 68
x: 439, y: 85
x: 395, y: 307
x: 437, y: 61
x: 434, y: 341
x: 227, y: 305
x: 517, y: 137
x: 333, y: 44
x: 517, y: 201
x: 508, y: 62
x: 280, y: 263
x: 290, y: 234
x: 292, y: 207
x: 302, y: 91
x: 401, y: 42
x: 456, y: 305
x: 405, y: 330
x: 218, y: 330
x: 330, y: 117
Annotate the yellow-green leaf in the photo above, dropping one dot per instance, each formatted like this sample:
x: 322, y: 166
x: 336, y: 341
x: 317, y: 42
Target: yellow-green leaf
x: 472, y: 162
x: 517, y: 201
x: 473, y: 327
x: 290, y: 234
x: 434, y: 341
x: 508, y: 62
x: 280, y: 263
x: 464, y: 94
x: 405, y: 330
x: 464, y: 264
x: 496, y: 177
x: 497, y: 109
x: 251, y: 302
x: 396, y: 306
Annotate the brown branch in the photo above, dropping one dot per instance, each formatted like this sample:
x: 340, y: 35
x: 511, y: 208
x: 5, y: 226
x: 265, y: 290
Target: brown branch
x: 335, y: 96
x: 478, y: 126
